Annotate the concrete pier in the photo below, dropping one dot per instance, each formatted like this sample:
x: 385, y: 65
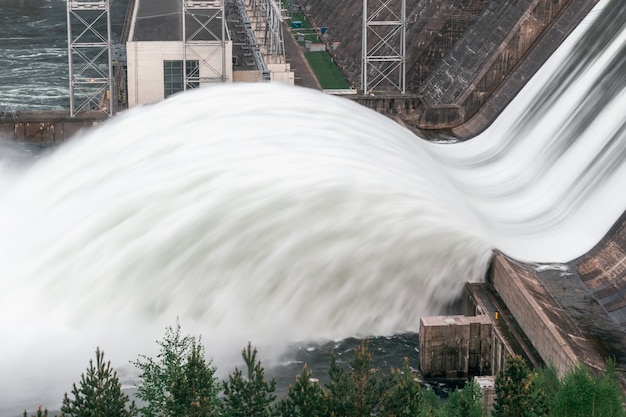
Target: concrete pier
x: 553, y: 307
x: 48, y: 126
x: 455, y: 346
x: 476, y: 343
x: 561, y: 314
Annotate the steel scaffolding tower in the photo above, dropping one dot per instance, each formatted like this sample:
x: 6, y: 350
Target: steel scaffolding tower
x: 89, y: 56
x: 203, y: 24
x: 271, y: 30
x: 257, y: 54
x: 383, y: 62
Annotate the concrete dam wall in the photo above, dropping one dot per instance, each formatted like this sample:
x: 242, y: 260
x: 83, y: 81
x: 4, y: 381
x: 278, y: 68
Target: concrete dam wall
x: 466, y: 59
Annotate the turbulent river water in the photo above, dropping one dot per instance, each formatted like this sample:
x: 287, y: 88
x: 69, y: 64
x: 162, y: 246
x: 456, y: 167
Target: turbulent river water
x: 291, y: 218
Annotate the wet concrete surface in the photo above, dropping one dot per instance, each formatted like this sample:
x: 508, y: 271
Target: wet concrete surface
x: 578, y: 293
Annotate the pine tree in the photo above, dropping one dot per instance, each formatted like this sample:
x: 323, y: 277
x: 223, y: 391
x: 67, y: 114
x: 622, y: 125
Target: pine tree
x: 179, y: 382
x: 339, y: 401
x: 517, y: 394
x: 194, y: 391
x: 305, y: 398
x: 99, y: 393
x: 575, y: 396
x: 252, y: 395
x: 610, y: 398
x: 405, y: 393
x: 40, y: 413
x: 547, y: 380
x: 464, y: 402
x: 359, y: 393
x: 430, y: 404
x: 582, y: 394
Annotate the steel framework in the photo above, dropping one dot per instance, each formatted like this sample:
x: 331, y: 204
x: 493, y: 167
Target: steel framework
x: 89, y: 56
x: 257, y: 54
x: 383, y: 62
x: 286, y: 6
x: 271, y: 29
x: 208, y: 26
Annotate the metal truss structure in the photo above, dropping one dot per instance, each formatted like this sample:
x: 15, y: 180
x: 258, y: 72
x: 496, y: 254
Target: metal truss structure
x: 89, y: 56
x: 286, y: 6
x: 383, y: 63
x: 269, y: 30
x: 8, y: 110
x: 256, y: 51
x: 203, y: 24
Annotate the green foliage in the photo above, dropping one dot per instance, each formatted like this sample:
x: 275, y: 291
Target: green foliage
x: 575, y: 395
x: 305, y: 398
x: 610, y: 397
x: 583, y: 394
x: 251, y: 395
x: 358, y: 393
x: 338, y: 389
x: 405, y: 395
x: 430, y: 404
x: 517, y: 392
x: 194, y: 391
x: 326, y: 70
x: 465, y: 402
x: 578, y: 394
x: 99, y: 393
x: 179, y: 382
x: 547, y: 380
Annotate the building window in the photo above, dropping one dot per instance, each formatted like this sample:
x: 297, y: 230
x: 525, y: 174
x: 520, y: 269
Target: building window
x: 173, y: 76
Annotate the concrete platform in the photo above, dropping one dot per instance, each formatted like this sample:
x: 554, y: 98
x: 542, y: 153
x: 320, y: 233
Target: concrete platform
x: 47, y: 126
x: 455, y: 346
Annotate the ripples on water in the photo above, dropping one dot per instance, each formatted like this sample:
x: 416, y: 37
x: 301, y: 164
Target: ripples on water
x: 33, y: 53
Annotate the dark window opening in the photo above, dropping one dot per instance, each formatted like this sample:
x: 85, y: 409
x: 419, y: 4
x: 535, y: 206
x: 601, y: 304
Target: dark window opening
x: 173, y: 80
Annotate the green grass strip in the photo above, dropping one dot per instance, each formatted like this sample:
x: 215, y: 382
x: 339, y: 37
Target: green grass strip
x: 301, y: 17
x: 327, y: 73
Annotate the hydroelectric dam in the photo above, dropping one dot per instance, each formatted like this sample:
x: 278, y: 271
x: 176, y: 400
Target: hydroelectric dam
x: 255, y: 210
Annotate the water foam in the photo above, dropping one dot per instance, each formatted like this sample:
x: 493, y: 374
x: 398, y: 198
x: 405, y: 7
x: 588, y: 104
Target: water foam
x: 253, y: 212
x: 547, y: 176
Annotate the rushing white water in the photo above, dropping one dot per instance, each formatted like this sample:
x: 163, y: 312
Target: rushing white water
x: 253, y: 212
x: 275, y: 214
x: 547, y: 176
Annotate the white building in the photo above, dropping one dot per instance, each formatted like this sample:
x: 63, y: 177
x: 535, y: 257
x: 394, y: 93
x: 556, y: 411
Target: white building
x: 161, y: 61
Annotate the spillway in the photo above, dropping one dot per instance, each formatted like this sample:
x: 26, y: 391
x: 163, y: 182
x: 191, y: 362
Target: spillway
x: 276, y: 214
